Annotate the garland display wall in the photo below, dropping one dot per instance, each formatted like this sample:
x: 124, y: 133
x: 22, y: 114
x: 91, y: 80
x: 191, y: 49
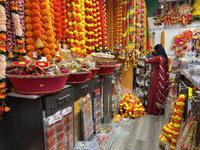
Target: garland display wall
x: 33, y: 30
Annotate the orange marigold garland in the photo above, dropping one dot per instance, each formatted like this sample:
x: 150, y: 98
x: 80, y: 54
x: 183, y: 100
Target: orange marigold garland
x: 32, y: 27
x: 48, y: 36
x: 63, y: 18
x: 57, y: 19
x: 3, y: 107
x: 171, y: 130
x: 52, y: 22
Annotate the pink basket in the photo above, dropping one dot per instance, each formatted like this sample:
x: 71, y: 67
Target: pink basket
x: 93, y: 73
x: 38, y: 84
x: 78, y: 77
x: 106, y: 70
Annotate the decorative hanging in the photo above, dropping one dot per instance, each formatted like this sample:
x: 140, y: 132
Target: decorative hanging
x: 163, y: 39
x: 169, y: 15
x: 196, y: 40
x: 3, y: 89
x: 196, y: 10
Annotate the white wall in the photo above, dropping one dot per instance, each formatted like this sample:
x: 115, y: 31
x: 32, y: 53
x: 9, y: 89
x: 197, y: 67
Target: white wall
x: 170, y: 32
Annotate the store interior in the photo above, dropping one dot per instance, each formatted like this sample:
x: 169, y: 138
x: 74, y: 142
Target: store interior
x: 99, y: 75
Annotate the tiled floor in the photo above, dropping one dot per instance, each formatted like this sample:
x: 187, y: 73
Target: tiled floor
x: 144, y: 134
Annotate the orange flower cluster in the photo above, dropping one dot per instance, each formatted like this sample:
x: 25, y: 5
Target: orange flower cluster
x: 171, y: 130
x: 63, y: 17
x: 57, y: 46
x: 47, y: 35
x: 39, y: 26
x: 131, y: 107
x: 33, y: 27
x: 57, y: 18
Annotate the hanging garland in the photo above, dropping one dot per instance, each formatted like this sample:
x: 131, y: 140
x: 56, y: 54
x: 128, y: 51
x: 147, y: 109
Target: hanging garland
x: 17, y: 26
x: 63, y: 17
x: 52, y: 22
x: 89, y: 20
x: 109, y: 9
x: 3, y: 107
x: 82, y: 29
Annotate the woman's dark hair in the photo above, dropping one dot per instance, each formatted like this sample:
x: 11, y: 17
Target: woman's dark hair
x: 161, y: 51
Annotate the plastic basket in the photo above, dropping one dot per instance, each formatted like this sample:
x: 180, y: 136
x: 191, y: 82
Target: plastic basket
x: 86, y: 145
x: 38, y: 84
x: 93, y: 73
x: 106, y: 70
x: 78, y: 77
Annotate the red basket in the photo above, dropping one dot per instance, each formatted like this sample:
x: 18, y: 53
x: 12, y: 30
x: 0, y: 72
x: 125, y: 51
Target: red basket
x: 38, y: 84
x: 106, y: 70
x: 78, y: 77
x: 93, y: 73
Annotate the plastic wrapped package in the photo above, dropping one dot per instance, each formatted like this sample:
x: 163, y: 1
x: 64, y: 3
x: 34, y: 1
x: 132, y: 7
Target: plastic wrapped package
x: 197, y: 70
x: 59, y: 127
x: 192, y: 63
x: 51, y: 135
x: 107, y: 129
x: 196, y: 81
x: 103, y: 141
x: 70, y: 118
x: 60, y: 137
x: 50, y: 143
x: 123, y: 127
x: 71, y: 143
x: 87, y: 120
x: 60, y: 146
x: 68, y: 127
x: 184, y: 63
x: 86, y: 145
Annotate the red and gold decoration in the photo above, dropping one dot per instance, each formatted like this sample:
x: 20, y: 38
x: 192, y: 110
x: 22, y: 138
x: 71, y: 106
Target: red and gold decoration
x: 169, y: 15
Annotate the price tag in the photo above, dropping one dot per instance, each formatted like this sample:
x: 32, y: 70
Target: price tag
x: 34, y: 54
x: 57, y: 54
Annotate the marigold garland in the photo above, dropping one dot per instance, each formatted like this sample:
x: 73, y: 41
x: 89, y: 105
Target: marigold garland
x: 57, y: 19
x: 63, y: 17
x: 89, y: 20
x: 171, y: 130
x: 3, y: 59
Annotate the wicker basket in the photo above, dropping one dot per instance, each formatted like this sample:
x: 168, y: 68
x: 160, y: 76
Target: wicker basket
x: 38, y: 84
x: 102, y: 60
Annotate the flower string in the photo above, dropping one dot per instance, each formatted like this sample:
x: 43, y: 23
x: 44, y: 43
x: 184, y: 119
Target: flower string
x: 47, y: 36
x: 63, y: 17
x: 3, y: 88
x: 52, y: 22
x: 89, y: 21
